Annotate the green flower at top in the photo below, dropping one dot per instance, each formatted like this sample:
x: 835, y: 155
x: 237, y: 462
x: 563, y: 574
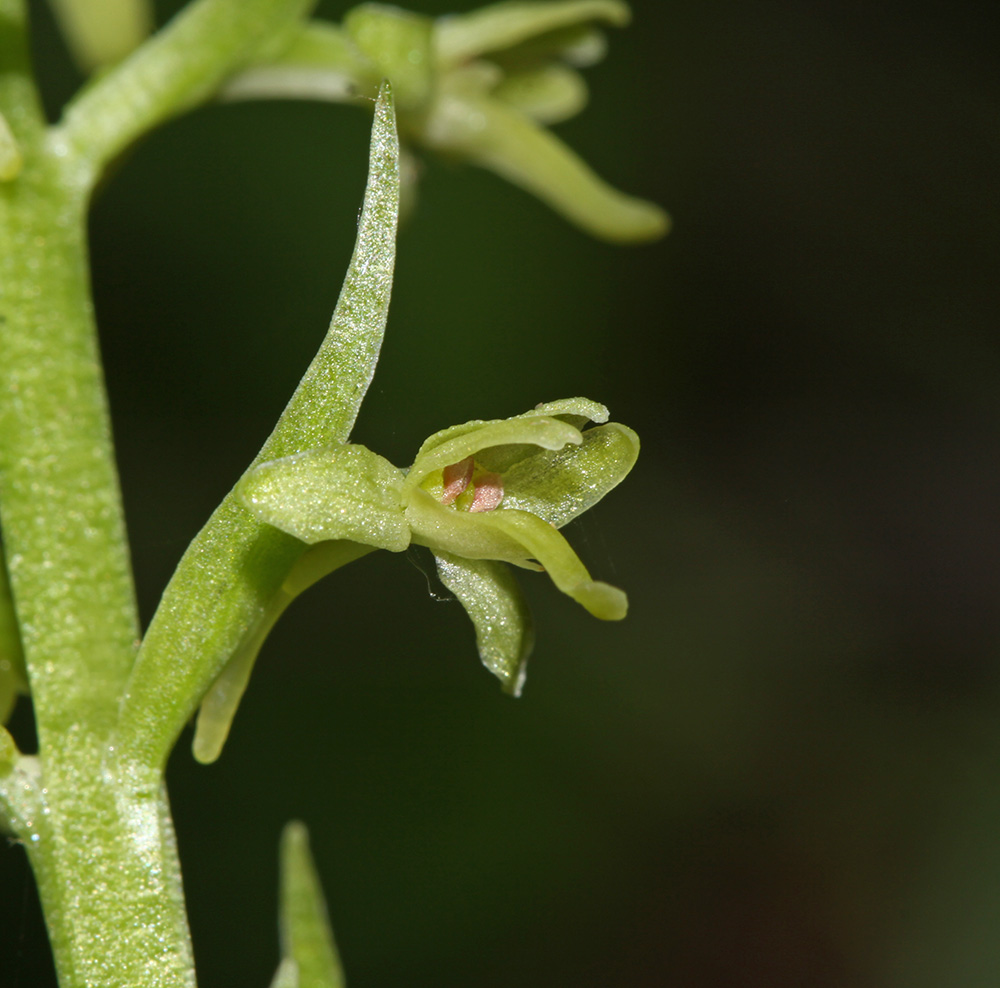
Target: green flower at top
x: 480, y: 87
x: 478, y: 495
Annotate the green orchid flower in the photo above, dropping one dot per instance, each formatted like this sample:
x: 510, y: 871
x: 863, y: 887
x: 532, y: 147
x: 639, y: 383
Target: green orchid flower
x: 480, y: 87
x: 478, y: 495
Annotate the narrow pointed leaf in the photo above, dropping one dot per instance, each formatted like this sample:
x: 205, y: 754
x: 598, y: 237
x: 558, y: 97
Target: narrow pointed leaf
x: 493, y: 135
x: 493, y: 600
x: 462, y: 37
x: 333, y: 492
x: 306, y: 936
x: 560, y: 485
x: 236, y: 565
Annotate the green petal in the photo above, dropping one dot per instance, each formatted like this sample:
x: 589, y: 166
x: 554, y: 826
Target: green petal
x: 493, y: 600
x: 515, y: 537
x: 548, y: 95
x: 455, y: 444
x: 400, y: 46
x: 493, y: 135
x: 560, y: 485
x: 461, y: 37
x: 306, y: 936
x: 333, y: 492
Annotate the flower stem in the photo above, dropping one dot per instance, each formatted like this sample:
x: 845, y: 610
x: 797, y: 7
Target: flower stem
x: 101, y: 842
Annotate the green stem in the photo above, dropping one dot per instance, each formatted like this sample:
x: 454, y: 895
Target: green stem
x: 101, y: 846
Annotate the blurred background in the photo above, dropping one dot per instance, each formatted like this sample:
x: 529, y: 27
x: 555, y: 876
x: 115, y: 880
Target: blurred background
x: 783, y: 768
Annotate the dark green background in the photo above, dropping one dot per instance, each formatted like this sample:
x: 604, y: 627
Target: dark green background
x: 784, y: 768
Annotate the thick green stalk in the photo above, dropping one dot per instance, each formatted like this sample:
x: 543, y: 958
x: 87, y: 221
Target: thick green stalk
x: 101, y: 846
x: 97, y: 829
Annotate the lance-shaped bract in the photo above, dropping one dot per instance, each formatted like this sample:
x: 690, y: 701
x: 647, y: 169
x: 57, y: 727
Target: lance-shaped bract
x: 478, y: 495
x: 230, y: 584
x: 476, y: 87
x: 309, y: 953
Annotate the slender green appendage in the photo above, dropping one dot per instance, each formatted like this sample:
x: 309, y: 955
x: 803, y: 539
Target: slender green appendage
x: 228, y: 579
x: 180, y: 66
x: 309, y: 953
x: 218, y: 708
x: 102, y: 32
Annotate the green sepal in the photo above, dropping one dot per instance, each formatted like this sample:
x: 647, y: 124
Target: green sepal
x: 333, y: 492
x: 400, y: 45
x: 461, y: 37
x: 559, y: 485
x: 489, y: 133
x: 549, y: 94
x: 493, y: 600
x: 306, y: 937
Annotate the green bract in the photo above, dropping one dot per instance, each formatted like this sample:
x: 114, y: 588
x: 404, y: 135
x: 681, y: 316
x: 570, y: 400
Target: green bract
x: 477, y: 495
x: 478, y: 87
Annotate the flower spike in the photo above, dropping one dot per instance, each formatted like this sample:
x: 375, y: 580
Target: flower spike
x: 477, y: 495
